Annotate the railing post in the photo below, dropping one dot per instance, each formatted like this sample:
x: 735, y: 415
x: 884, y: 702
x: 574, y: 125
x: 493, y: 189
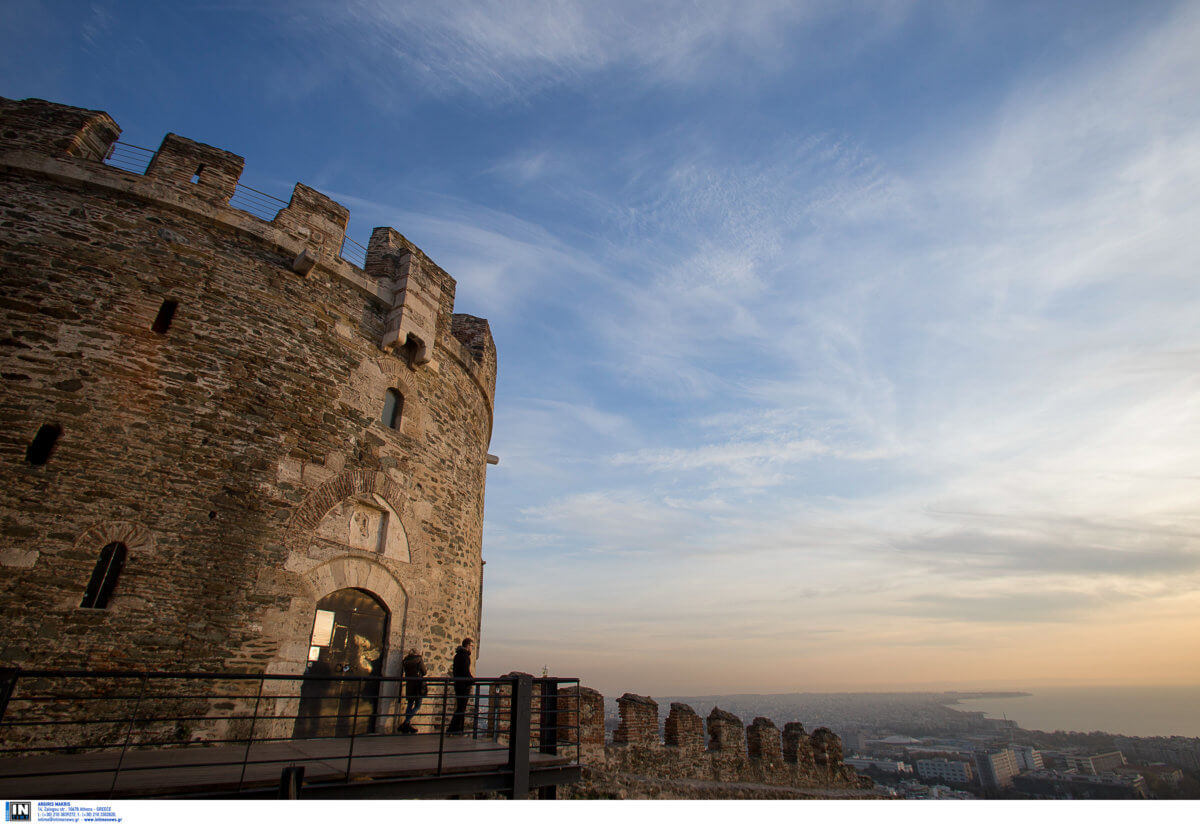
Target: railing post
x: 442, y: 729
x: 353, y: 729
x: 8, y: 686
x: 475, y: 713
x: 518, y: 735
x: 290, y: 781
x: 250, y: 738
x: 549, y: 717
x: 137, y: 705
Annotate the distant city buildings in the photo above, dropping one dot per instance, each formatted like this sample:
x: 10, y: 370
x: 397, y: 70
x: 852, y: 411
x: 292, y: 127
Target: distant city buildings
x: 883, y: 765
x: 1028, y: 758
x: 1177, y: 751
x: 996, y: 769
x: 943, y: 769
x: 1094, y: 764
x: 916, y: 791
x: 1055, y: 784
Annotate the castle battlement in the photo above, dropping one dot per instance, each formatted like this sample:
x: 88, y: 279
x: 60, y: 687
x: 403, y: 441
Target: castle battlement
x: 309, y: 231
x: 639, y: 761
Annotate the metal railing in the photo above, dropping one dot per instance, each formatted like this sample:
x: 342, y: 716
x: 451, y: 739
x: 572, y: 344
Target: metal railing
x: 259, y: 204
x: 353, y: 252
x: 129, y: 157
x: 253, y: 201
x: 146, y: 734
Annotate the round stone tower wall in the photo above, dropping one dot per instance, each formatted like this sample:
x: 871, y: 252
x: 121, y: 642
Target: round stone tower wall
x: 218, y: 385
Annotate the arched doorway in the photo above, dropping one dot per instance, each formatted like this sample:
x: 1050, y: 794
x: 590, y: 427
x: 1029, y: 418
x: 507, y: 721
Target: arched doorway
x: 349, y: 638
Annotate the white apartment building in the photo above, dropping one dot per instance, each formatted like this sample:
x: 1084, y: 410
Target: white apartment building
x: 1028, y: 758
x: 941, y: 769
x: 996, y: 769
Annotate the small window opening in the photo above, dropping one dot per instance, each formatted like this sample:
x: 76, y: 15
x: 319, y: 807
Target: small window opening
x: 166, y: 314
x: 196, y: 176
x: 104, y: 577
x: 43, y: 444
x: 411, y: 349
x: 393, y: 409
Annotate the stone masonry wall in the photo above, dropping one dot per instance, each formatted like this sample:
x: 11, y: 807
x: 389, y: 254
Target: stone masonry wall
x: 797, y: 746
x: 725, y: 731
x: 636, y: 765
x: 639, y: 720
x: 762, y: 741
x: 236, y: 452
x: 582, y: 716
x: 683, y: 728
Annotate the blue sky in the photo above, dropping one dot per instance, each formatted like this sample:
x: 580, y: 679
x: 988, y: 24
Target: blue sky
x: 842, y: 345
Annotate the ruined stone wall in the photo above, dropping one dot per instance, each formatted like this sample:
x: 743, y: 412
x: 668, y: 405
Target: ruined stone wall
x: 236, y: 453
x: 755, y: 761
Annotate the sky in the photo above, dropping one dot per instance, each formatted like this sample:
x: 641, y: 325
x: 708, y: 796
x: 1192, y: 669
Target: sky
x: 843, y: 346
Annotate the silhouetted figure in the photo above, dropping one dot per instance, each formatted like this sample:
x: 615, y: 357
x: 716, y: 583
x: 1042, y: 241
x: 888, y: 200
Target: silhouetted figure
x: 415, y: 688
x: 464, y: 681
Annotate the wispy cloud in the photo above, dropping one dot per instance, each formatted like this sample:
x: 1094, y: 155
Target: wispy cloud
x: 508, y: 50
x: 969, y: 384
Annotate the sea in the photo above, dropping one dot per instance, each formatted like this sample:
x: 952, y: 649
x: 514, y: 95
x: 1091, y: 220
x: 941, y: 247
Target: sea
x: 1136, y: 711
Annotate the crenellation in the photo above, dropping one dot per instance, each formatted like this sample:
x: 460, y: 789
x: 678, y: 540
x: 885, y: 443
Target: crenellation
x: 52, y: 128
x: 680, y: 767
x: 582, y: 716
x: 827, y: 748
x: 797, y: 746
x: 725, y: 732
x: 683, y: 728
x: 316, y: 220
x: 639, y: 720
x: 196, y: 169
x: 762, y: 741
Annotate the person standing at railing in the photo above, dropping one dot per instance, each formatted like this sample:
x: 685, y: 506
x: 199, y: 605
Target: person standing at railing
x: 464, y: 681
x: 415, y: 688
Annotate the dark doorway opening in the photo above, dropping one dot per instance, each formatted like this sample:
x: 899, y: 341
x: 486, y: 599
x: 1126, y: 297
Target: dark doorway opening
x: 349, y: 638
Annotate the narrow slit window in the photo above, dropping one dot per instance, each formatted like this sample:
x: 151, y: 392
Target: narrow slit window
x: 393, y: 409
x: 166, y: 314
x: 104, y: 577
x: 43, y: 444
x: 196, y: 175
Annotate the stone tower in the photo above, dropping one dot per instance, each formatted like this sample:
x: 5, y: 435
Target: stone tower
x: 223, y: 447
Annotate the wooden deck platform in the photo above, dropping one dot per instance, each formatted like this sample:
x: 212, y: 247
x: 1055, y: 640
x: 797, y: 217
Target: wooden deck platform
x: 401, y: 762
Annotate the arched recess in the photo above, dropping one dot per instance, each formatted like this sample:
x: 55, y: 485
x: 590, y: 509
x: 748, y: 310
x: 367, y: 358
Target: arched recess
x: 137, y: 540
x: 398, y: 376
x: 355, y: 572
x: 135, y: 536
x: 349, y: 638
x: 370, y: 488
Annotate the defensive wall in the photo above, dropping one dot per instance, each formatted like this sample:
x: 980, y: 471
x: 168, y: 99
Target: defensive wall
x: 693, y: 755
x: 213, y: 427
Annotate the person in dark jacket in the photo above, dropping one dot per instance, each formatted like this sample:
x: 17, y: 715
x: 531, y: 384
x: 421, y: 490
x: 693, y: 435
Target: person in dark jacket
x: 415, y: 688
x: 464, y: 681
